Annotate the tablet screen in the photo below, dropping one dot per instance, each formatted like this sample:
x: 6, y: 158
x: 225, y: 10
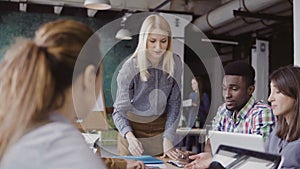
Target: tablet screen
x: 237, y: 158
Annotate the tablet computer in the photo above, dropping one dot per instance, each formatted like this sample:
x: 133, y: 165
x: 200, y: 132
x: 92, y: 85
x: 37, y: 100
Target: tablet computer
x: 247, y: 141
x: 238, y: 158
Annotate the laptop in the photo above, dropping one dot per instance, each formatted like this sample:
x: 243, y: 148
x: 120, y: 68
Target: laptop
x: 253, y: 142
x: 237, y: 158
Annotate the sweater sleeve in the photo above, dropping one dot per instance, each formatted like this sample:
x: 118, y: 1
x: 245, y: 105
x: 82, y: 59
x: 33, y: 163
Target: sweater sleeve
x: 122, y: 103
x: 174, y: 101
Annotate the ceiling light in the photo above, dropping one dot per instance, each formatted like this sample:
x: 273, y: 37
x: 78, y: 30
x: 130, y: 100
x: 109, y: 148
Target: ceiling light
x: 123, y: 34
x: 91, y: 12
x: 58, y: 9
x: 23, y: 7
x: 97, y: 4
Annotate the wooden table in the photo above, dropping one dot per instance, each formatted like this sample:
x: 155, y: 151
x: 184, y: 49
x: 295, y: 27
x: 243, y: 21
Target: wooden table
x: 194, y: 131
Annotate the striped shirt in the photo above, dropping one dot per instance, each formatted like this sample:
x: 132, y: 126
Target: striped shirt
x: 254, y: 118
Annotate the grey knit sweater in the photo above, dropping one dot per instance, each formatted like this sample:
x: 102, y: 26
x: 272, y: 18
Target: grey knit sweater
x: 159, y: 94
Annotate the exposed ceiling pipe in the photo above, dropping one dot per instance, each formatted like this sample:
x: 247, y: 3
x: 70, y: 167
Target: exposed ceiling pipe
x: 198, y: 7
x: 278, y: 7
x: 224, y: 14
x: 52, y: 2
x: 250, y: 28
x: 264, y: 32
x: 226, y: 28
x: 161, y: 5
x: 240, y: 22
x: 256, y: 26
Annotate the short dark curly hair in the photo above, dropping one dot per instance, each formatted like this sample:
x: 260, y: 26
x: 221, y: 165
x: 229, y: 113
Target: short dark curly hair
x: 241, y: 68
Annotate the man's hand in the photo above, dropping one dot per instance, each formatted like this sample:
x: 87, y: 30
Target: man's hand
x: 135, y: 146
x: 201, y: 161
x: 184, y: 156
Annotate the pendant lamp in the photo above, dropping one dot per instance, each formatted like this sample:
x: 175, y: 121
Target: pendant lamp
x: 97, y: 4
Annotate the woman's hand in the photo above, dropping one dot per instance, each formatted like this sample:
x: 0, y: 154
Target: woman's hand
x: 169, y: 150
x: 201, y: 161
x: 135, y: 146
x: 194, y: 104
x: 133, y: 164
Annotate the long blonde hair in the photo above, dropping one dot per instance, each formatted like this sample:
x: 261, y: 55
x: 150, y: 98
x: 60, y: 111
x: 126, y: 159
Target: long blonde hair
x: 152, y: 22
x: 35, y: 75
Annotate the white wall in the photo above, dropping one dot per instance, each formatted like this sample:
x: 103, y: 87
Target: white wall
x: 260, y: 62
x: 296, y: 5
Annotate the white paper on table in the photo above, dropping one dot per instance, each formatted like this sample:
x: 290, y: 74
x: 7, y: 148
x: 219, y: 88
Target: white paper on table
x: 251, y: 163
x: 224, y: 160
x: 99, y: 103
x: 157, y: 165
x: 187, y: 103
x: 91, y: 138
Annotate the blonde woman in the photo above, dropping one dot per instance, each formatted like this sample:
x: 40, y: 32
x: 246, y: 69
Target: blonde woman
x: 148, y: 100
x: 38, y: 85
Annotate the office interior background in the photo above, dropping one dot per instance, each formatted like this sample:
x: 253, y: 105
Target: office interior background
x: 261, y: 32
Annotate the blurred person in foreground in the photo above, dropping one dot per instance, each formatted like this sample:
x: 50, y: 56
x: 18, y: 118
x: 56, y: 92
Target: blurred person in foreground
x: 43, y: 92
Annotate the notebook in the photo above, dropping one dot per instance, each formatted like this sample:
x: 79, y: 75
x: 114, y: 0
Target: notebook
x: 147, y: 159
x: 247, y: 141
x: 238, y: 158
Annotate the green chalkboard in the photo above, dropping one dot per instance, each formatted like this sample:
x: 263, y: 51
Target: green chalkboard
x: 112, y: 60
x: 15, y: 24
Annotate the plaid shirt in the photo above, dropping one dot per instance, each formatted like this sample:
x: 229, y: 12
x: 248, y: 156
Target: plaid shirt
x: 254, y: 118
